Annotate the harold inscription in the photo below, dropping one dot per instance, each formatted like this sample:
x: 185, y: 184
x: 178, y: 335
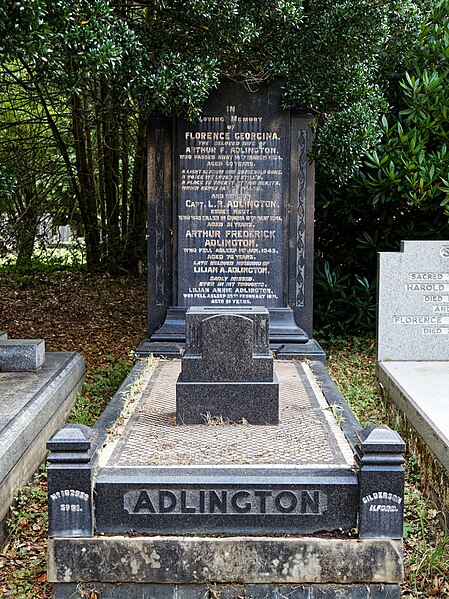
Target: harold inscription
x: 414, y: 302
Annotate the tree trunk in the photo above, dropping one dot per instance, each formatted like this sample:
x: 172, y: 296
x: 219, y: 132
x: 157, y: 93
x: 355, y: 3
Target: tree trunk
x: 137, y: 227
x: 26, y: 226
x: 87, y: 195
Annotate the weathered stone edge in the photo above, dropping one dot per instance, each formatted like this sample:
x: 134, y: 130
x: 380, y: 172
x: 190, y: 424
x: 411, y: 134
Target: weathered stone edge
x: 114, y: 409
x: 197, y: 560
x: 349, y: 423
x: 19, y: 433
x: 426, y: 429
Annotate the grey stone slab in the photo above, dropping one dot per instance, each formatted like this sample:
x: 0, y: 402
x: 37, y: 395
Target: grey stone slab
x: 32, y: 406
x: 3, y: 335
x: 413, y: 310
x: 264, y: 560
x: 421, y: 392
x: 21, y: 355
x: 230, y: 591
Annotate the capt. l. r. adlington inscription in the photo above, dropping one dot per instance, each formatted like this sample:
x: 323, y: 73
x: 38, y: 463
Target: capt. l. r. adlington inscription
x: 231, y: 206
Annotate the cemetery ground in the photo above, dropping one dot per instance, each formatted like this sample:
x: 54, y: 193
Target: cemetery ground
x: 103, y: 318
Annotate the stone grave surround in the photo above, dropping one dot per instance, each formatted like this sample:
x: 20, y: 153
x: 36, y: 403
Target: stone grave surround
x: 413, y: 353
x: 37, y: 390
x: 142, y: 507
x: 231, y: 204
x: 208, y: 473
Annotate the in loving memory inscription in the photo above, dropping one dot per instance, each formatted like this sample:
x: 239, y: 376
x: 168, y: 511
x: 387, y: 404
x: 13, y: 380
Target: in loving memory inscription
x: 230, y: 187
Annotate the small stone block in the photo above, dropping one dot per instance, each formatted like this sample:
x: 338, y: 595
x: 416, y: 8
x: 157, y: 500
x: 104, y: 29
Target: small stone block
x: 73, y: 437
x: 21, y: 355
x: 257, y: 403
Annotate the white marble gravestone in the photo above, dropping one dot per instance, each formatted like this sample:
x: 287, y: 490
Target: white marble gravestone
x: 413, y: 304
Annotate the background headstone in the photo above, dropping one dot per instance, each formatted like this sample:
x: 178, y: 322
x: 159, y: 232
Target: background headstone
x: 413, y: 312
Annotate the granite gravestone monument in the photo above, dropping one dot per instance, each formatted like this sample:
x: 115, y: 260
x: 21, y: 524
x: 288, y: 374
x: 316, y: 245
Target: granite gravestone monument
x: 231, y: 215
x: 174, y: 509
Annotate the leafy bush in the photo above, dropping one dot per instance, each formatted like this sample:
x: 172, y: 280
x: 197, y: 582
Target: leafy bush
x: 401, y: 191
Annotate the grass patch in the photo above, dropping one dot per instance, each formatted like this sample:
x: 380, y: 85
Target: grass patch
x: 103, y: 383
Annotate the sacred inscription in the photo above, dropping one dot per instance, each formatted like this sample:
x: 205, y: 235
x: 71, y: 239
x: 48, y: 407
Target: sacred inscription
x: 413, y: 321
x: 231, y: 189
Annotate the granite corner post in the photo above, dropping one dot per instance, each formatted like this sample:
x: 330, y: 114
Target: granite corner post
x: 160, y: 219
x: 381, y: 482
x: 70, y: 484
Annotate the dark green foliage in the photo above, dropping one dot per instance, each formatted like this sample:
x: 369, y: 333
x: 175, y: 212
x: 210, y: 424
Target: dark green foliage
x: 401, y: 192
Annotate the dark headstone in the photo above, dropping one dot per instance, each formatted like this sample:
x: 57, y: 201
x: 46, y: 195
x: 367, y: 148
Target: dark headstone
x: 231, y: 218
x: 227, y: 369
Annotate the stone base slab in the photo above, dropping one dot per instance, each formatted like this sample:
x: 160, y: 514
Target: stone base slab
x: 217, y: 591
x: 254, y: 560
x: 21, y: 355
x: 255, y: 402
x: 417, y: 394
